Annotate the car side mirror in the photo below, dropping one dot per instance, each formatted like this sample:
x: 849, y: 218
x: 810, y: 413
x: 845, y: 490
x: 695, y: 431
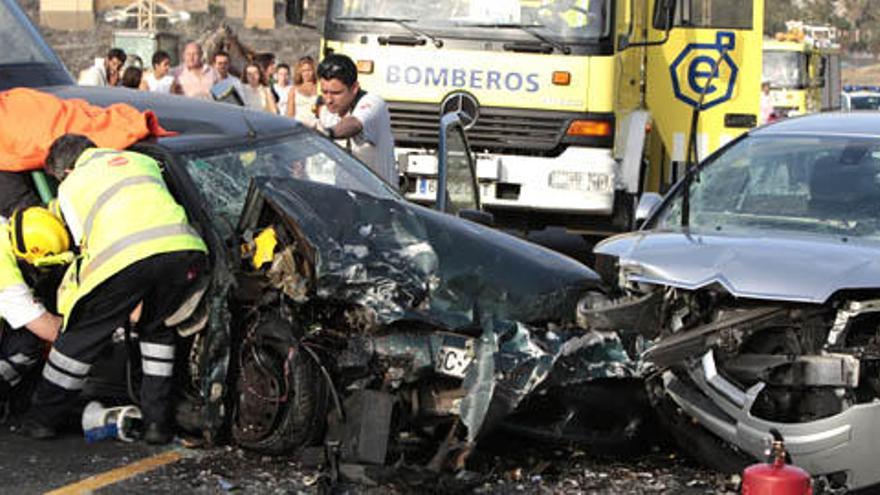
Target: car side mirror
x: 478, y: 216
x: 647, y: 204
x: 293, y: 12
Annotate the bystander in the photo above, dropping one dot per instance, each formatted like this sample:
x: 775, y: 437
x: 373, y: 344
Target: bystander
x: 105, y: 72
x: 360, y: 120
x: 159, y: 80
x: 194, y: 78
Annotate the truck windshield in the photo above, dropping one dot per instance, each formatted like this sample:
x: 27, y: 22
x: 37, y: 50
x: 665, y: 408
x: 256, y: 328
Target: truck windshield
x: 20, y: 44
x: 785, y: 69
x: 571, y: 21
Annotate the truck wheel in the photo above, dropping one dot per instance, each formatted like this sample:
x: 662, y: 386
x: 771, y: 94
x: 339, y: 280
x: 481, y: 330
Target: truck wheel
x: 623, y: 219
x: 280, y: 401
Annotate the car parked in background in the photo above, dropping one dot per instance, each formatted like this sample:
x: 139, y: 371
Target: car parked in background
x: 860, y: 100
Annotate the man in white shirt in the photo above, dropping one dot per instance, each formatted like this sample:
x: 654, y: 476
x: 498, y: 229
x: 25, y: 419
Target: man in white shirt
x: 361, y: 119
x: 106, y: 72
x: 194, y: 78
x: 221, y: 66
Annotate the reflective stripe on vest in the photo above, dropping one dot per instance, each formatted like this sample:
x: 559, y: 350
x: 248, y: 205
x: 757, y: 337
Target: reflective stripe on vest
x: 109, y: 193
x: 136, y: 238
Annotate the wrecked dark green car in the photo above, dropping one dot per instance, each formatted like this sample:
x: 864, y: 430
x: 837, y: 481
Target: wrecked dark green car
x: 337, y: 313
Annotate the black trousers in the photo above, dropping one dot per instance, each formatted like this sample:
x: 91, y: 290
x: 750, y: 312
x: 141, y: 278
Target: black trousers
x: 161, y: 282
x: 20, y: 352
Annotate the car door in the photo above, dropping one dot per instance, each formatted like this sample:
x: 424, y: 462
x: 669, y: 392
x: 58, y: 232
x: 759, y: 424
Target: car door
x: 457, y: 189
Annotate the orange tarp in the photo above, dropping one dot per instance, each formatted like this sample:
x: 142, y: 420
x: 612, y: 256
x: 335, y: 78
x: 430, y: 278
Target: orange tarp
x: 31, y: 120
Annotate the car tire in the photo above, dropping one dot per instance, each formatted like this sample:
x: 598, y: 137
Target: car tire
x: 697, y: 442
x: 281, y: 399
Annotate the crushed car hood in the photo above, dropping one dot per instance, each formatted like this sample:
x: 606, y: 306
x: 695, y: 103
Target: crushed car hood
x: 799, y: 269
x: 404, y: 261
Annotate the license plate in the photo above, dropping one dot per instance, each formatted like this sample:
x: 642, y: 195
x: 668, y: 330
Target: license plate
x: 427, y: 187
x: 454, y: 356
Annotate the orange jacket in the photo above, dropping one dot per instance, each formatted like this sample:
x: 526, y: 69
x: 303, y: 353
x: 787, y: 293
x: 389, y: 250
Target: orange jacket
x: 31, y: 120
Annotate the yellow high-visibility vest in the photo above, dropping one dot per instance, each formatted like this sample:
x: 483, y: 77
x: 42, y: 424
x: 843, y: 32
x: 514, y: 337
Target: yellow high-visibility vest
x: 119, y: 211
x: 9, y: 272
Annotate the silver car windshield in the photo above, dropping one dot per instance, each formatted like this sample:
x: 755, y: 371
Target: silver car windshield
x: 223, y: 175
x: 825, y: 185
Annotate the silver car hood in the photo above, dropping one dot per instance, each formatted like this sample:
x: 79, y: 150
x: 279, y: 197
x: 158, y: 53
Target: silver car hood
x: 798, y: 269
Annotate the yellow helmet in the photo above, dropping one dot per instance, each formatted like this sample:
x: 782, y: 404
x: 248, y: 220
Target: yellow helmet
x: 36, y: 233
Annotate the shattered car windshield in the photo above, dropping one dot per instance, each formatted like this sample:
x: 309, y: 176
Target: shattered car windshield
x: 825, y: 185
x: 223, y: 174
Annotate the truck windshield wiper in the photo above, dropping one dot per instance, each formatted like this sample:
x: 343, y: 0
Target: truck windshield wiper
x: 400, y: 21
x: 528, y: 29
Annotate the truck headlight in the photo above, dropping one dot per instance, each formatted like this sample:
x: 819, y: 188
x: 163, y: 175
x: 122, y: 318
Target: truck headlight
x: 580, y: 181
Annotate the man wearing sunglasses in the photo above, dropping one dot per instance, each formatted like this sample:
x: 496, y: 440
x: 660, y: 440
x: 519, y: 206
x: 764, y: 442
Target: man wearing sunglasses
x: 359, y: 121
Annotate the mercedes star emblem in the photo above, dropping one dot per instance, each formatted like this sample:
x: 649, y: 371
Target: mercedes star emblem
x: 465, y: 105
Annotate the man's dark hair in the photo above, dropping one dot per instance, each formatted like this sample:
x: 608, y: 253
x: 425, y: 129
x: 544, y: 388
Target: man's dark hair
x: 282, y: 66
x: 338, y: 66
x: 160, y: 56
x: 131, y: 78
x: 64, y: 152
x: 264, y: 60
x: 220, y: 53
x: 116, y: 53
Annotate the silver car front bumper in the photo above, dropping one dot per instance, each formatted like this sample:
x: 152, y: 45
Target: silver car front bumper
x: 847, y: 442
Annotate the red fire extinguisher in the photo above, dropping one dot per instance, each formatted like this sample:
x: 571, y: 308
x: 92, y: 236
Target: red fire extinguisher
x: 775, y: 477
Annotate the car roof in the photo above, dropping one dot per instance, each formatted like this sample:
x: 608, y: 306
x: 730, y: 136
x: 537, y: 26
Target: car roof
x: 199, y: 123
x: 855, y: 124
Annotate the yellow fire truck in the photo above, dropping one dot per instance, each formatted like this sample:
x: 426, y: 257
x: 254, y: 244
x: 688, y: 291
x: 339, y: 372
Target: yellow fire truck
x: 573, y: 107
x: 803, y: 73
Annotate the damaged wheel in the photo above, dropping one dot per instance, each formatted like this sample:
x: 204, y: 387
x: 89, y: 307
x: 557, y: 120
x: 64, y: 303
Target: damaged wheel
x: 280, y: 398
x: 693, y: 439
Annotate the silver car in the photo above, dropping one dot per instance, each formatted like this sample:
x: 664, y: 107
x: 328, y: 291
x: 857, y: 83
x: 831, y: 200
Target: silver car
x: 757, y: 297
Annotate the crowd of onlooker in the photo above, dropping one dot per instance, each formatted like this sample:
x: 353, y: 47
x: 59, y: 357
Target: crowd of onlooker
x: 263, y: 84
x: 358, y: 121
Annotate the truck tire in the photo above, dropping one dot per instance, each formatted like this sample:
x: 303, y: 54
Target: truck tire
x: 623, y: 219
x: 281, y: 399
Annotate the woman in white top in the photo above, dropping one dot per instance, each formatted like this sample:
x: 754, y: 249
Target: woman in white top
x: 255, y: 91
x: 159, y: 80
x: 282, y: 86
x: 303, y: 96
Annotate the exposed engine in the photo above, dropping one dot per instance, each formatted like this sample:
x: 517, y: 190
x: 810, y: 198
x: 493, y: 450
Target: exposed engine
x: 738, y: 367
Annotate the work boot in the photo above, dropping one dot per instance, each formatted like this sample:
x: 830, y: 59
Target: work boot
x: 157, y: 433
x: 36, y: 430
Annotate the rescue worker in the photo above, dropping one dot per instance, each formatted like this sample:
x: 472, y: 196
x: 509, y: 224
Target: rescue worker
x: 33, y: 236
x: 136, y: 246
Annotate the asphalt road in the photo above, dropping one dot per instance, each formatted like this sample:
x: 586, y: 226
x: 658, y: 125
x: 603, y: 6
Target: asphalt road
x: 29, y: 466
x: 68, y: 465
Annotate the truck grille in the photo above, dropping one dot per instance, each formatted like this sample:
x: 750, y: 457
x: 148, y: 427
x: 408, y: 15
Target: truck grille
x: 497, y: 130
